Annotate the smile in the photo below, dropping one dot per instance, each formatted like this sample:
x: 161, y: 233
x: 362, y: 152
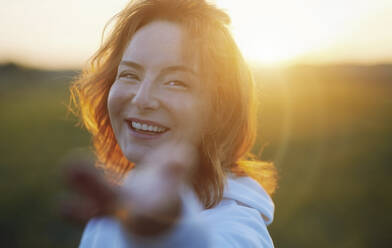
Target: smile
x: 146, y: 127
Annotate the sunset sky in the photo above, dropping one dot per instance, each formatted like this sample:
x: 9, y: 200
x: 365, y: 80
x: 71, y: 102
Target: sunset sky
x: 64, y: 33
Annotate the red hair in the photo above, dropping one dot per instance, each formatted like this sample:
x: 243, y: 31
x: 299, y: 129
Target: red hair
x: 226, y: 146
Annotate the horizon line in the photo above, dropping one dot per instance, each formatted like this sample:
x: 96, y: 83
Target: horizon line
x: 11, y: 63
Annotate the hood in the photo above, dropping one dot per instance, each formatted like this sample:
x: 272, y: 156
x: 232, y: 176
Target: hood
x: 248, y: 192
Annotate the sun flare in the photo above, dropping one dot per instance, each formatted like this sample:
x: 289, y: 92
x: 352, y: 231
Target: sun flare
x: 281, y: 31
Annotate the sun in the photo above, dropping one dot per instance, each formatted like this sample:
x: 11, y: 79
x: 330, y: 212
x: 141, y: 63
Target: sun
x: 267, y: 49
x: 284, y: 31
x: 267, y: 33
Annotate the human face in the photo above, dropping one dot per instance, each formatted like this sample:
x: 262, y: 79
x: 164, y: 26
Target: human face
x: 159, y: 88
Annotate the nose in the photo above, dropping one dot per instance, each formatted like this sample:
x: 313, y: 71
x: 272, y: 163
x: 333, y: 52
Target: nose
x: 144, y: 98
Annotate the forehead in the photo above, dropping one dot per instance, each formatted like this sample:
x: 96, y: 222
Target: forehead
x: 160, y: 43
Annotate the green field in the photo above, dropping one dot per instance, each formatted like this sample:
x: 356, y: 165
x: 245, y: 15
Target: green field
x: 327, y: 128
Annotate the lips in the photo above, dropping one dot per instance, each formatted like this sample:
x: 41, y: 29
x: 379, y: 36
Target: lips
x: 146, y: 127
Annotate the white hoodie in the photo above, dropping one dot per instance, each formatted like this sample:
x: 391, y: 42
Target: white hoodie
x: 239, y: 220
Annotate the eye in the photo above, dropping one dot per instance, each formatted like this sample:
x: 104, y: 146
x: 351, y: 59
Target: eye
x: 177, y: 84
x: 128, y: 75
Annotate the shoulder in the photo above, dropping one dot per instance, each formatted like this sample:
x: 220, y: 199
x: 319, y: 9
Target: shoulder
x: 241, y: 218
x: 247, y: 192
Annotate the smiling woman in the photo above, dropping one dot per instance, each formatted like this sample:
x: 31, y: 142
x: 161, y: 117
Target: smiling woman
x: 170, y: 103
x: 159, y: 90
x: 156, y: 87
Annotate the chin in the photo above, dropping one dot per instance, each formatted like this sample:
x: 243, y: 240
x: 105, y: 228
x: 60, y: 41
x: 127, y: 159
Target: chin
x: 134, y: 155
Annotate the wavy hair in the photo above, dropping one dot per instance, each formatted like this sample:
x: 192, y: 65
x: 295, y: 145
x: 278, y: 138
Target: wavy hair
x: 226, y: 147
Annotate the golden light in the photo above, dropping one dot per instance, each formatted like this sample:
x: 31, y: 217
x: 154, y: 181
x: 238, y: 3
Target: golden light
x: 285, y: 31
x: 65, y: 33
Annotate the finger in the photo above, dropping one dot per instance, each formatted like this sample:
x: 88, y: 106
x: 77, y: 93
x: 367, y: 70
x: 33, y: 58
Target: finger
x: 78, y: 211
x: 90, y: 184
x: 150, y: 190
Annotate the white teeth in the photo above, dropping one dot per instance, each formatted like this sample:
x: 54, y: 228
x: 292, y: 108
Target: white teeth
x: 145, y: 127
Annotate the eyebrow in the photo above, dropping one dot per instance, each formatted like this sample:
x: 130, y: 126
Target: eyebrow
x: 132, y: 64
x: 179, y: 68
x: 165, y: 70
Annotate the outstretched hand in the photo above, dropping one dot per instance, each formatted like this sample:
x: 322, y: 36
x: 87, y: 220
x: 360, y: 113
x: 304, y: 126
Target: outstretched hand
x: 147, y: 202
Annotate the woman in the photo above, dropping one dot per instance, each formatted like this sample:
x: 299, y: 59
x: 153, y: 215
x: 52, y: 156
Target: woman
x: 170, y: 103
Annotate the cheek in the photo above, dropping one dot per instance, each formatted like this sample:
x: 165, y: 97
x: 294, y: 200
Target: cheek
x: 116, y: 99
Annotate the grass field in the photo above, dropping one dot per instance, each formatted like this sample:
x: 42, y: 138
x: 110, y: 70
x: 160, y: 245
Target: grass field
x: 327, y: 128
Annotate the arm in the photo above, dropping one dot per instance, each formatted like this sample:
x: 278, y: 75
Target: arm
x: 189, y: 231
x: 146, y: 207
x: 227, y: 225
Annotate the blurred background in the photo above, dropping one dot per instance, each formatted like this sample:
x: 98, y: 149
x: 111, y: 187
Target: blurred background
x: 324, y: 72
